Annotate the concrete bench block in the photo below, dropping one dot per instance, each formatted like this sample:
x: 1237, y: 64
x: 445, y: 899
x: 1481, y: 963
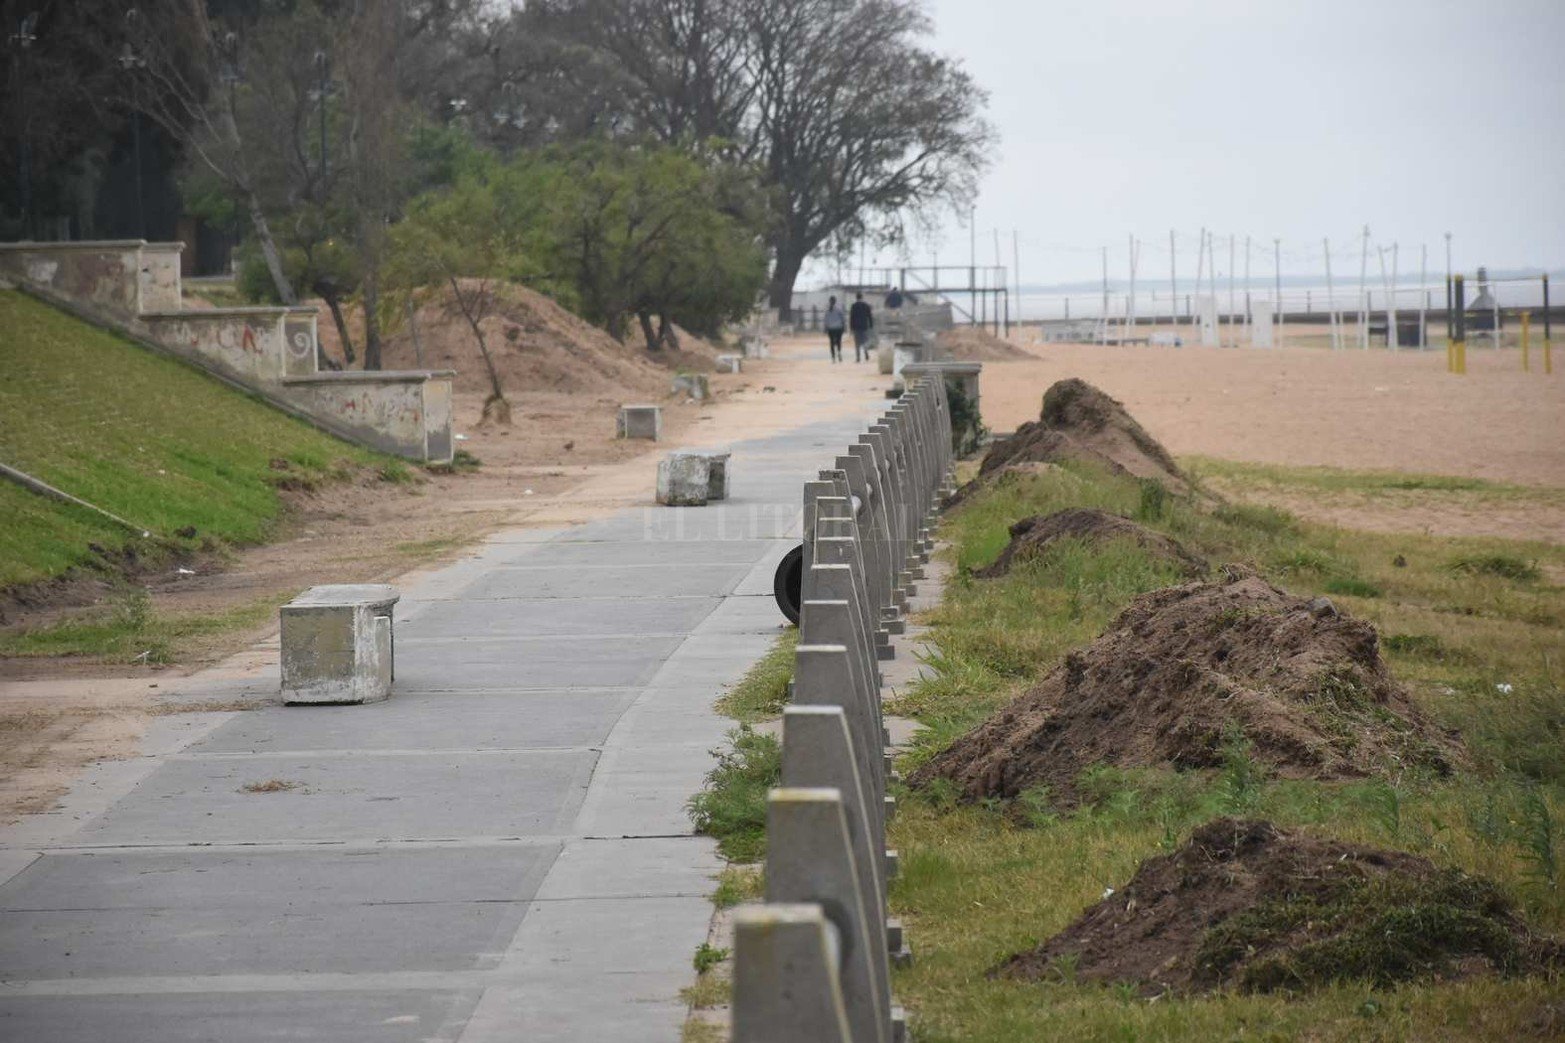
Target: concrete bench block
x: 337, y: 644
x: 717, y: 476
x: 639, y: 421
x: 684, y: 480
x: 692, y: 384
x: 730, y: 363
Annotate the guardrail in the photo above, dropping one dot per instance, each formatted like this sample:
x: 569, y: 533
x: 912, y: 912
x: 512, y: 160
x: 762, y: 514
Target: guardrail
x: 812, y: 964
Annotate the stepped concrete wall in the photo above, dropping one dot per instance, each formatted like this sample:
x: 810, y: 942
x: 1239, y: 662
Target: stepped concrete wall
x: 134, y: 287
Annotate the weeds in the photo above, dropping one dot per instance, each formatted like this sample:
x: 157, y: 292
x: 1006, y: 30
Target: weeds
x: 732, y: 806
x: 1505, y: 566
x: 763, y: 692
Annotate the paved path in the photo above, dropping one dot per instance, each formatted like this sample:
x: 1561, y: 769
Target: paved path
x: 500, y: 852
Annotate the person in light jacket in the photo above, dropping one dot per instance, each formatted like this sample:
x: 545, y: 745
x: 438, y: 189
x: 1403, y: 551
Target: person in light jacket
x: 836, y: 322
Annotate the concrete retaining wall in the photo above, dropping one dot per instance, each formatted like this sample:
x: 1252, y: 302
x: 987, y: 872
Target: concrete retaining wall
x: 134, y: 287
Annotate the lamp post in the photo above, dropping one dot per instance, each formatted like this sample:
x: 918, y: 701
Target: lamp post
x: 23, y: 40
x: 131, y: 62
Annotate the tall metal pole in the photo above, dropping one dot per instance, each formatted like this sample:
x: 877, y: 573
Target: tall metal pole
x: 1231, y: 289
x: 23, y: 40
x: 1246, y: 282
x: 972, y: 265
x: 1277, y: 281
x: 1423, y: 295
x: 1016, y: 274
x: 1130, y: 301
x: 1331, y: 299
x: 1103, y: 315
x: 1173, y: 284
x: 1364, y: 291
x: 1448, y: 327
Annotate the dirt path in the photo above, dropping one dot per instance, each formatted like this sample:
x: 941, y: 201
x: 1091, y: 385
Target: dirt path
x: 557, y: 465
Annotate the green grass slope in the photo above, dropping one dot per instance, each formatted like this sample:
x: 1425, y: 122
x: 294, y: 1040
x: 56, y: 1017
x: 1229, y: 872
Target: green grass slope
x: 154, y: 441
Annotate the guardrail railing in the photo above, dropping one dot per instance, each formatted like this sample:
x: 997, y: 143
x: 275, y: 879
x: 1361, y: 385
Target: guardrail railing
x: 812, y: 964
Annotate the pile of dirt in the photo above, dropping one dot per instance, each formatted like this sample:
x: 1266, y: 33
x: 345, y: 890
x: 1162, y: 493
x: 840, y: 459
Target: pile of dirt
x: 973, y: 344
x: 1079, y: 422
x: 1187, y: 672
x: 1248, y: 906
x: 1032, y: 536
x: 538, y: 346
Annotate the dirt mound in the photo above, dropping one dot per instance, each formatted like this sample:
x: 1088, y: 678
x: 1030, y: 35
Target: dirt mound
x: 1184, y: 673
x: 971, y: 344
x: 1079, y: 422
x: 1249, y: 906
x: 537, y: 346
x: 1032, y: 536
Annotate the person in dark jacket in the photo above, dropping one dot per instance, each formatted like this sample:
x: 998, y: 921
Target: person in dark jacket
x: 861, y: 319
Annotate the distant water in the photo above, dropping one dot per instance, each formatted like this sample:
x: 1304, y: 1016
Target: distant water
x: 1296, y: 297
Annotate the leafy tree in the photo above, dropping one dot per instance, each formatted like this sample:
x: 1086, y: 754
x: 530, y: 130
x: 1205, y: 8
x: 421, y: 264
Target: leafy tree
x: 856, y: 125
x: 651, y: 231
x: 466, y: 240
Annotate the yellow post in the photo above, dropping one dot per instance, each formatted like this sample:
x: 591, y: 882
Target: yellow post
x: 1526, y: 336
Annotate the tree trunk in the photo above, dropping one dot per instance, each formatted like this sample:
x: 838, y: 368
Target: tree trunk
x: 274, y: 260
x: 418, y: 346
x: 334, y: 302
x: 372, y: 317
x: 666, y: 333
x: 653, y: 341
x: 784, y: 275
x: 495, y: 406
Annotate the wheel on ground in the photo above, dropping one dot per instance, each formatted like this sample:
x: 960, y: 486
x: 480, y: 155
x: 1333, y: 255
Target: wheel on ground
x: 788, y: 583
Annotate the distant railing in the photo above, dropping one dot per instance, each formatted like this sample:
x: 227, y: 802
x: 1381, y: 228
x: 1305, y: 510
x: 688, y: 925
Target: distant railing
x: 812, y: 964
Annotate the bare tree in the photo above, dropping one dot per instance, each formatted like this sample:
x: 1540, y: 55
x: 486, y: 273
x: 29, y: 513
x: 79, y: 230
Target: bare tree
x: 195, y: 68
x: 857, y: 124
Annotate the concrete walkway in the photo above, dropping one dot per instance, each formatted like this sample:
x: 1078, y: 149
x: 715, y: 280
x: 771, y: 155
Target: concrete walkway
x: 500, y: 852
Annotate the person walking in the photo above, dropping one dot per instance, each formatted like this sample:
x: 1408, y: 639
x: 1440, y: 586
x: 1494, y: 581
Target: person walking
x: 835, y: 323
x: 861, y: 319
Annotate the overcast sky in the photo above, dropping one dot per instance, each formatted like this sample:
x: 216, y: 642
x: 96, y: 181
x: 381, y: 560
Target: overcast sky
x: 1295, y: 119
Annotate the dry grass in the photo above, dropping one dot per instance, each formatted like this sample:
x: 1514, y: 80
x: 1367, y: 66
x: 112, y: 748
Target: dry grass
x: 270, y: 786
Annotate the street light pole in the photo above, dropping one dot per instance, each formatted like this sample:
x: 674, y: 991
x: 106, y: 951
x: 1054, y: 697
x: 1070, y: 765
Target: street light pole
x: 130, y: 61
x: 22, y: 40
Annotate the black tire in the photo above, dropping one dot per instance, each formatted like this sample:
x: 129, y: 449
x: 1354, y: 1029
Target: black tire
x: 788, y: 583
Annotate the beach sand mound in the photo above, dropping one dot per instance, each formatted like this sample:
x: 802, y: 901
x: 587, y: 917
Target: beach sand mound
x: 1079, y: 422
x: 538, y: 346
x: 1032, y: 536
x: 1186, y: 672
x: 971, y: 344
x: 1248, y: 906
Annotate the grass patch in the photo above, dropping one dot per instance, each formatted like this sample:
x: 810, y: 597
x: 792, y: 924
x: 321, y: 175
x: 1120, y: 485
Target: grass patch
x: 763, y: 692
x: 736, y: 884
x: 152, y: 440
x: 732, y: 807
x: 1506, y: 566
x: 126, y: 629
x: 1478, y: 647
